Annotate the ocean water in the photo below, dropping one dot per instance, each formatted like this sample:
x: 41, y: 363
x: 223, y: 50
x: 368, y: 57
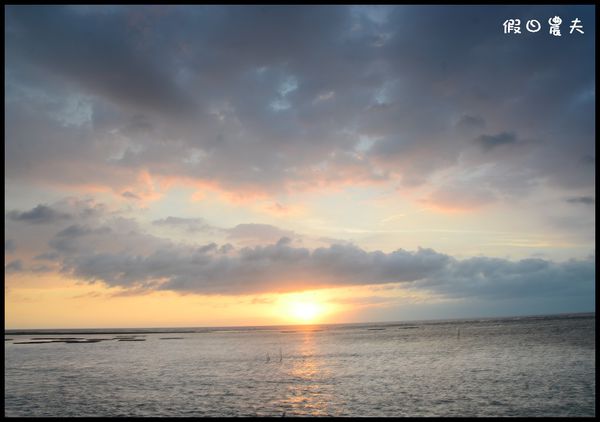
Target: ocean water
x: 533, y: 366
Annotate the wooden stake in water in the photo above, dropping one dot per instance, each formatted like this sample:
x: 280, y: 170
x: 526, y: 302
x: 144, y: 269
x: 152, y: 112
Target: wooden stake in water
x: 268, y: 357
x: 280, y: 355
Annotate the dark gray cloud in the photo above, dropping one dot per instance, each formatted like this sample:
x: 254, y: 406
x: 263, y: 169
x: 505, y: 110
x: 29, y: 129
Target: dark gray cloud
x: 260, y: 269
x: 118, y: 252
x: 471, y: 122
x: 586, y: 200
x: 67, y: 240
x: 41, y: 214
x: 508, y: 82
x: 96, y: 95
x: 280, y: 267
x: 489, y: 142
x: 493, y: 278
x: 149, y: 262
x: 18, y: 266
x: 14, y: 266
x: 83, y: 48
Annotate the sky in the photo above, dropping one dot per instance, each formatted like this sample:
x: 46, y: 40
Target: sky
x: 254, y: 165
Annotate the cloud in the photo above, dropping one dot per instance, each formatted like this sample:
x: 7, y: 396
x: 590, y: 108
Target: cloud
x: 188, y: 104
x: 585, y: 200
x: 77, y: 230
x: 188, y: 224
x: 83, y: 48
x: 489, y: 142
x: 42, y: 268
x: 263, y: 233
x: 14, y: 266
x: 279, y: 209
x: 494, y: 278
x: 467, y: 121
x: 47, y: 256
x: 271, y: 268
x: 117, y: 251
x: 41, y: 214
x: 18, y: 266
x: 103, y: 247
x: 67, y: 240
x: 130, y: 195
x: 282, y: 267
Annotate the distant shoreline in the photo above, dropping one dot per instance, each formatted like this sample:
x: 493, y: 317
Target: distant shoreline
x: 200, y: 330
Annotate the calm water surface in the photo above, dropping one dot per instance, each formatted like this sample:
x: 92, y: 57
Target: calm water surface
x: 536, y: 366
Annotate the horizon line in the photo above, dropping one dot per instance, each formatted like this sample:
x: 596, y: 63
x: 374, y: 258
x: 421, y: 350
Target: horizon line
x: 17, y: 331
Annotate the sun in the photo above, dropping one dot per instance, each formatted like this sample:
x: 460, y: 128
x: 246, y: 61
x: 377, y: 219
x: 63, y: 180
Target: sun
x: 302, y: 308
x: 305, y: 311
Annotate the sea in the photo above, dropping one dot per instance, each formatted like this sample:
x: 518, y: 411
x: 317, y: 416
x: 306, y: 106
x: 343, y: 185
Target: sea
x: 519, y: 366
